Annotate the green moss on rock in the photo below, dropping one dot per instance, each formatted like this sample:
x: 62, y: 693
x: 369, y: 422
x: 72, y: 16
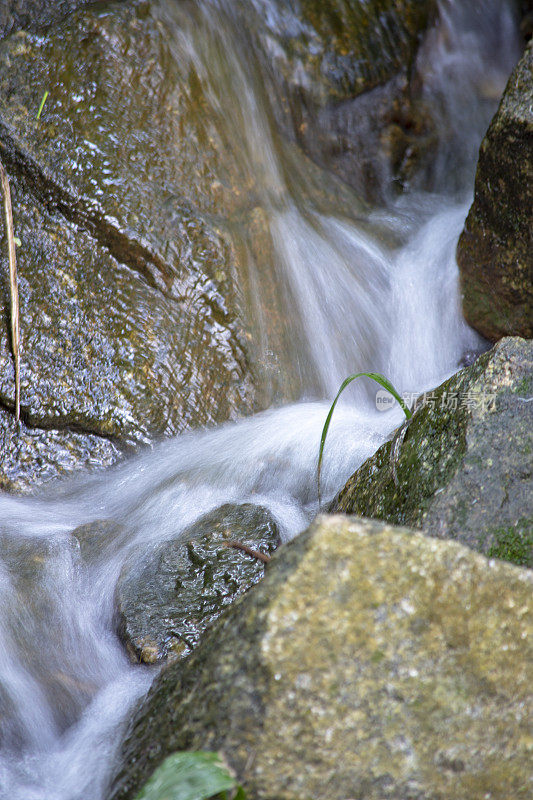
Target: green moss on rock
x: 495, y: 250
x: 461, y: 468
x: 514, y: 543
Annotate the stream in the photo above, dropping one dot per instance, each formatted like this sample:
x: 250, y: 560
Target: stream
x: 382, y: 296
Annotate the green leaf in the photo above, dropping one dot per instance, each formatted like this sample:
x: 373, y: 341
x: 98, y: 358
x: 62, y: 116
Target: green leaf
x: 188, y: 776
x: 375, y: 376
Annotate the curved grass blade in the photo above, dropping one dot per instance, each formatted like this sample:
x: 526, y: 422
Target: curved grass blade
x: 375, y: 376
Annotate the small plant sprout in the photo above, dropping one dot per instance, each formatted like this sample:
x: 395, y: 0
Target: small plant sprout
x: 375, y: 376
x: 43, y: 101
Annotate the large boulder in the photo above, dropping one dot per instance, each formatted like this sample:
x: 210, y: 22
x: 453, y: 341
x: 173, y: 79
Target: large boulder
x: 370, y: 662
x: 131, y: 323
x: 495, y: 250
x: 167, y: 597
x: 462, y: 466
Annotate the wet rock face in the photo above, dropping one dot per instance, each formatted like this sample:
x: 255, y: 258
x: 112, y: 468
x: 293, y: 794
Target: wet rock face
x: 388, y: 663
x: 18, y: 14
x: 130, y: 318
x: 495, y: 250
x: 33, y: 456
x: 167, y: 598
x: 462, y: 467
x: 343, y: 72
x: 348, y: 47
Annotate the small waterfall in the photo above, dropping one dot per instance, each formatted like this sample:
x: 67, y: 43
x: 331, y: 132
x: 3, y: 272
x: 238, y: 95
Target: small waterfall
x: 355, y: 288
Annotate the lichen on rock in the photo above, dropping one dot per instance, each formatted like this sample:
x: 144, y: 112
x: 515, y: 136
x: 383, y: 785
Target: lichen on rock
x: 371, y: 661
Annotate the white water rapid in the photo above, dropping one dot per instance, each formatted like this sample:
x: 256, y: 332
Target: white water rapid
x: 359, y: 300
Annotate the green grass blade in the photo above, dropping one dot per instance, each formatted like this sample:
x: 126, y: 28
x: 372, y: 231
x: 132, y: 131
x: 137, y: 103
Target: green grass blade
x: 43, y: 101
x: 375, y: 376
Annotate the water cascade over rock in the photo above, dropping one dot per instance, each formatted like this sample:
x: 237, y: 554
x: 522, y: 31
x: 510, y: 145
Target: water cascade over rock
x: 225, y: 208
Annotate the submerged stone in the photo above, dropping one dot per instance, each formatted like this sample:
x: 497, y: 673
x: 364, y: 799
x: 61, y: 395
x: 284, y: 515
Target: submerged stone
x: 100, y: 539
x: 166, y: 598
x: 370, y: 662
x: 31, y: 606
x: 495, y: 250
x: 461, y: 468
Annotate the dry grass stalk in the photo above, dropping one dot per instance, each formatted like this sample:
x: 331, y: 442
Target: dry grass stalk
x: 13, y: 285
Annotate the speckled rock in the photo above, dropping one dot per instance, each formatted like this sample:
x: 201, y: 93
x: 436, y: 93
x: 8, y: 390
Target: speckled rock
x: 131, y: 326
x: 32, y: 456
x: 495, y: 250
x: 370, y: 662
x: 462, y: 468
x: 167, y: 598
x: 31, y: 14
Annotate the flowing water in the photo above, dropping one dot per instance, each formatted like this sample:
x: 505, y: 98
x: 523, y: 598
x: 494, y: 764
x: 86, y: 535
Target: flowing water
x: 358, y: 299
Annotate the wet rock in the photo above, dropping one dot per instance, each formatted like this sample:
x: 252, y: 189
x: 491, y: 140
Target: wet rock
x: 343, y: 49
x: 495, y: 250
x: 345, y: 83
x: 31, y: 14
x: 370, y: 662
x: 130, y: 316
x: 167, y: 598
x: 33, y: 456
x: 98, y: 540
x: 462, y: 467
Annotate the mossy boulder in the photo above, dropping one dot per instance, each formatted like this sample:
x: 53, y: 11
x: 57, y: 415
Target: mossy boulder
x: 371, y: 661
x: 166, y: 598
x: 462, y: 467
x: 495, y: 250
x: 131, y: 323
